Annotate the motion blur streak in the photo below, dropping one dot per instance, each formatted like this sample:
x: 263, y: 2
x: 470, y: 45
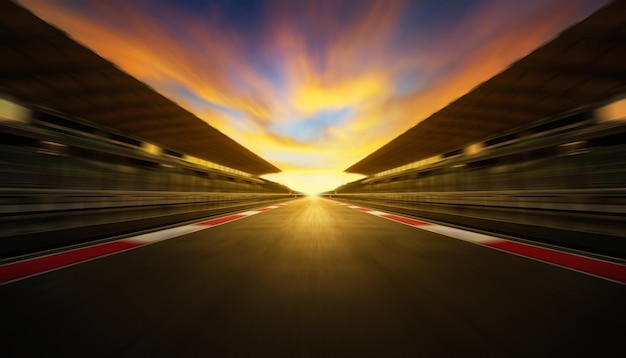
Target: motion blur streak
x: 13, y: 271
x: 128, y: 225
x: 613, y: 271
x: 300, y: 81
x: 313, y: 278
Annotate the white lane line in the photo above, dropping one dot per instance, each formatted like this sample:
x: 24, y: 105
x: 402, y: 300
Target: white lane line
x: 460, y: 234
x: 164, y: 234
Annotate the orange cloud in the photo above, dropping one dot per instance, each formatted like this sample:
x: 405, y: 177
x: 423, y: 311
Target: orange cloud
x: 264, y: 86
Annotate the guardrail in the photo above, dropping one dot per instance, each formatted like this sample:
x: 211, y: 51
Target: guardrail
x: 591, y: 219
x: 35, y: 219
x: 21, y: 201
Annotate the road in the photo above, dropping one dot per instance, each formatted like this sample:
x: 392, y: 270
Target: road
x: 313, y: 278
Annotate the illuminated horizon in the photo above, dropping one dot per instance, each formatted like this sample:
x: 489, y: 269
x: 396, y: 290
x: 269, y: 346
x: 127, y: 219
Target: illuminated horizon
x: 312, y: 86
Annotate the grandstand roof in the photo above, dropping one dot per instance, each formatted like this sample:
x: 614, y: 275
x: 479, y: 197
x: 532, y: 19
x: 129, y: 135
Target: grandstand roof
x: 583, y: 66
x: 41, y: 66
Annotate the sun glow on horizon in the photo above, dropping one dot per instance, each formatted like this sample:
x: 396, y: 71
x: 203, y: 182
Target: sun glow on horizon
x: 312, y: 182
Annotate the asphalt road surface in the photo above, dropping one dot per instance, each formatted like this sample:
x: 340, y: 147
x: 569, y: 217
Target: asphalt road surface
x: 313, y: 279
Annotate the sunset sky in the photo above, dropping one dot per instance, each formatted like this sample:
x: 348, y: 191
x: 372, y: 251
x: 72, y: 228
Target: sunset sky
x: 313, y: 86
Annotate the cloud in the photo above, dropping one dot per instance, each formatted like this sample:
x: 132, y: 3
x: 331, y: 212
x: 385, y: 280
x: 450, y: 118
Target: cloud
x: 313, y: 86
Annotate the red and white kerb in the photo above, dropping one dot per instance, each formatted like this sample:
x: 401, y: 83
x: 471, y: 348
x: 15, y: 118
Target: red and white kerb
x: 34, y: 266
x: 608, y: 270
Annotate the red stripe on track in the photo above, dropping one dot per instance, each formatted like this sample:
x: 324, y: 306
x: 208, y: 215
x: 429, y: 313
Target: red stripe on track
x: 404, y: 220
x: 221, y: 220
x: 597, y: 267
x: 13, y: 271
x: 21, y: 269
x: 610, y: 270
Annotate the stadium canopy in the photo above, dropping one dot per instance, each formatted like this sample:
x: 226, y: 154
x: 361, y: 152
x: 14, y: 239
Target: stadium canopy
x: 41, y: 66
x: 583, y: 66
